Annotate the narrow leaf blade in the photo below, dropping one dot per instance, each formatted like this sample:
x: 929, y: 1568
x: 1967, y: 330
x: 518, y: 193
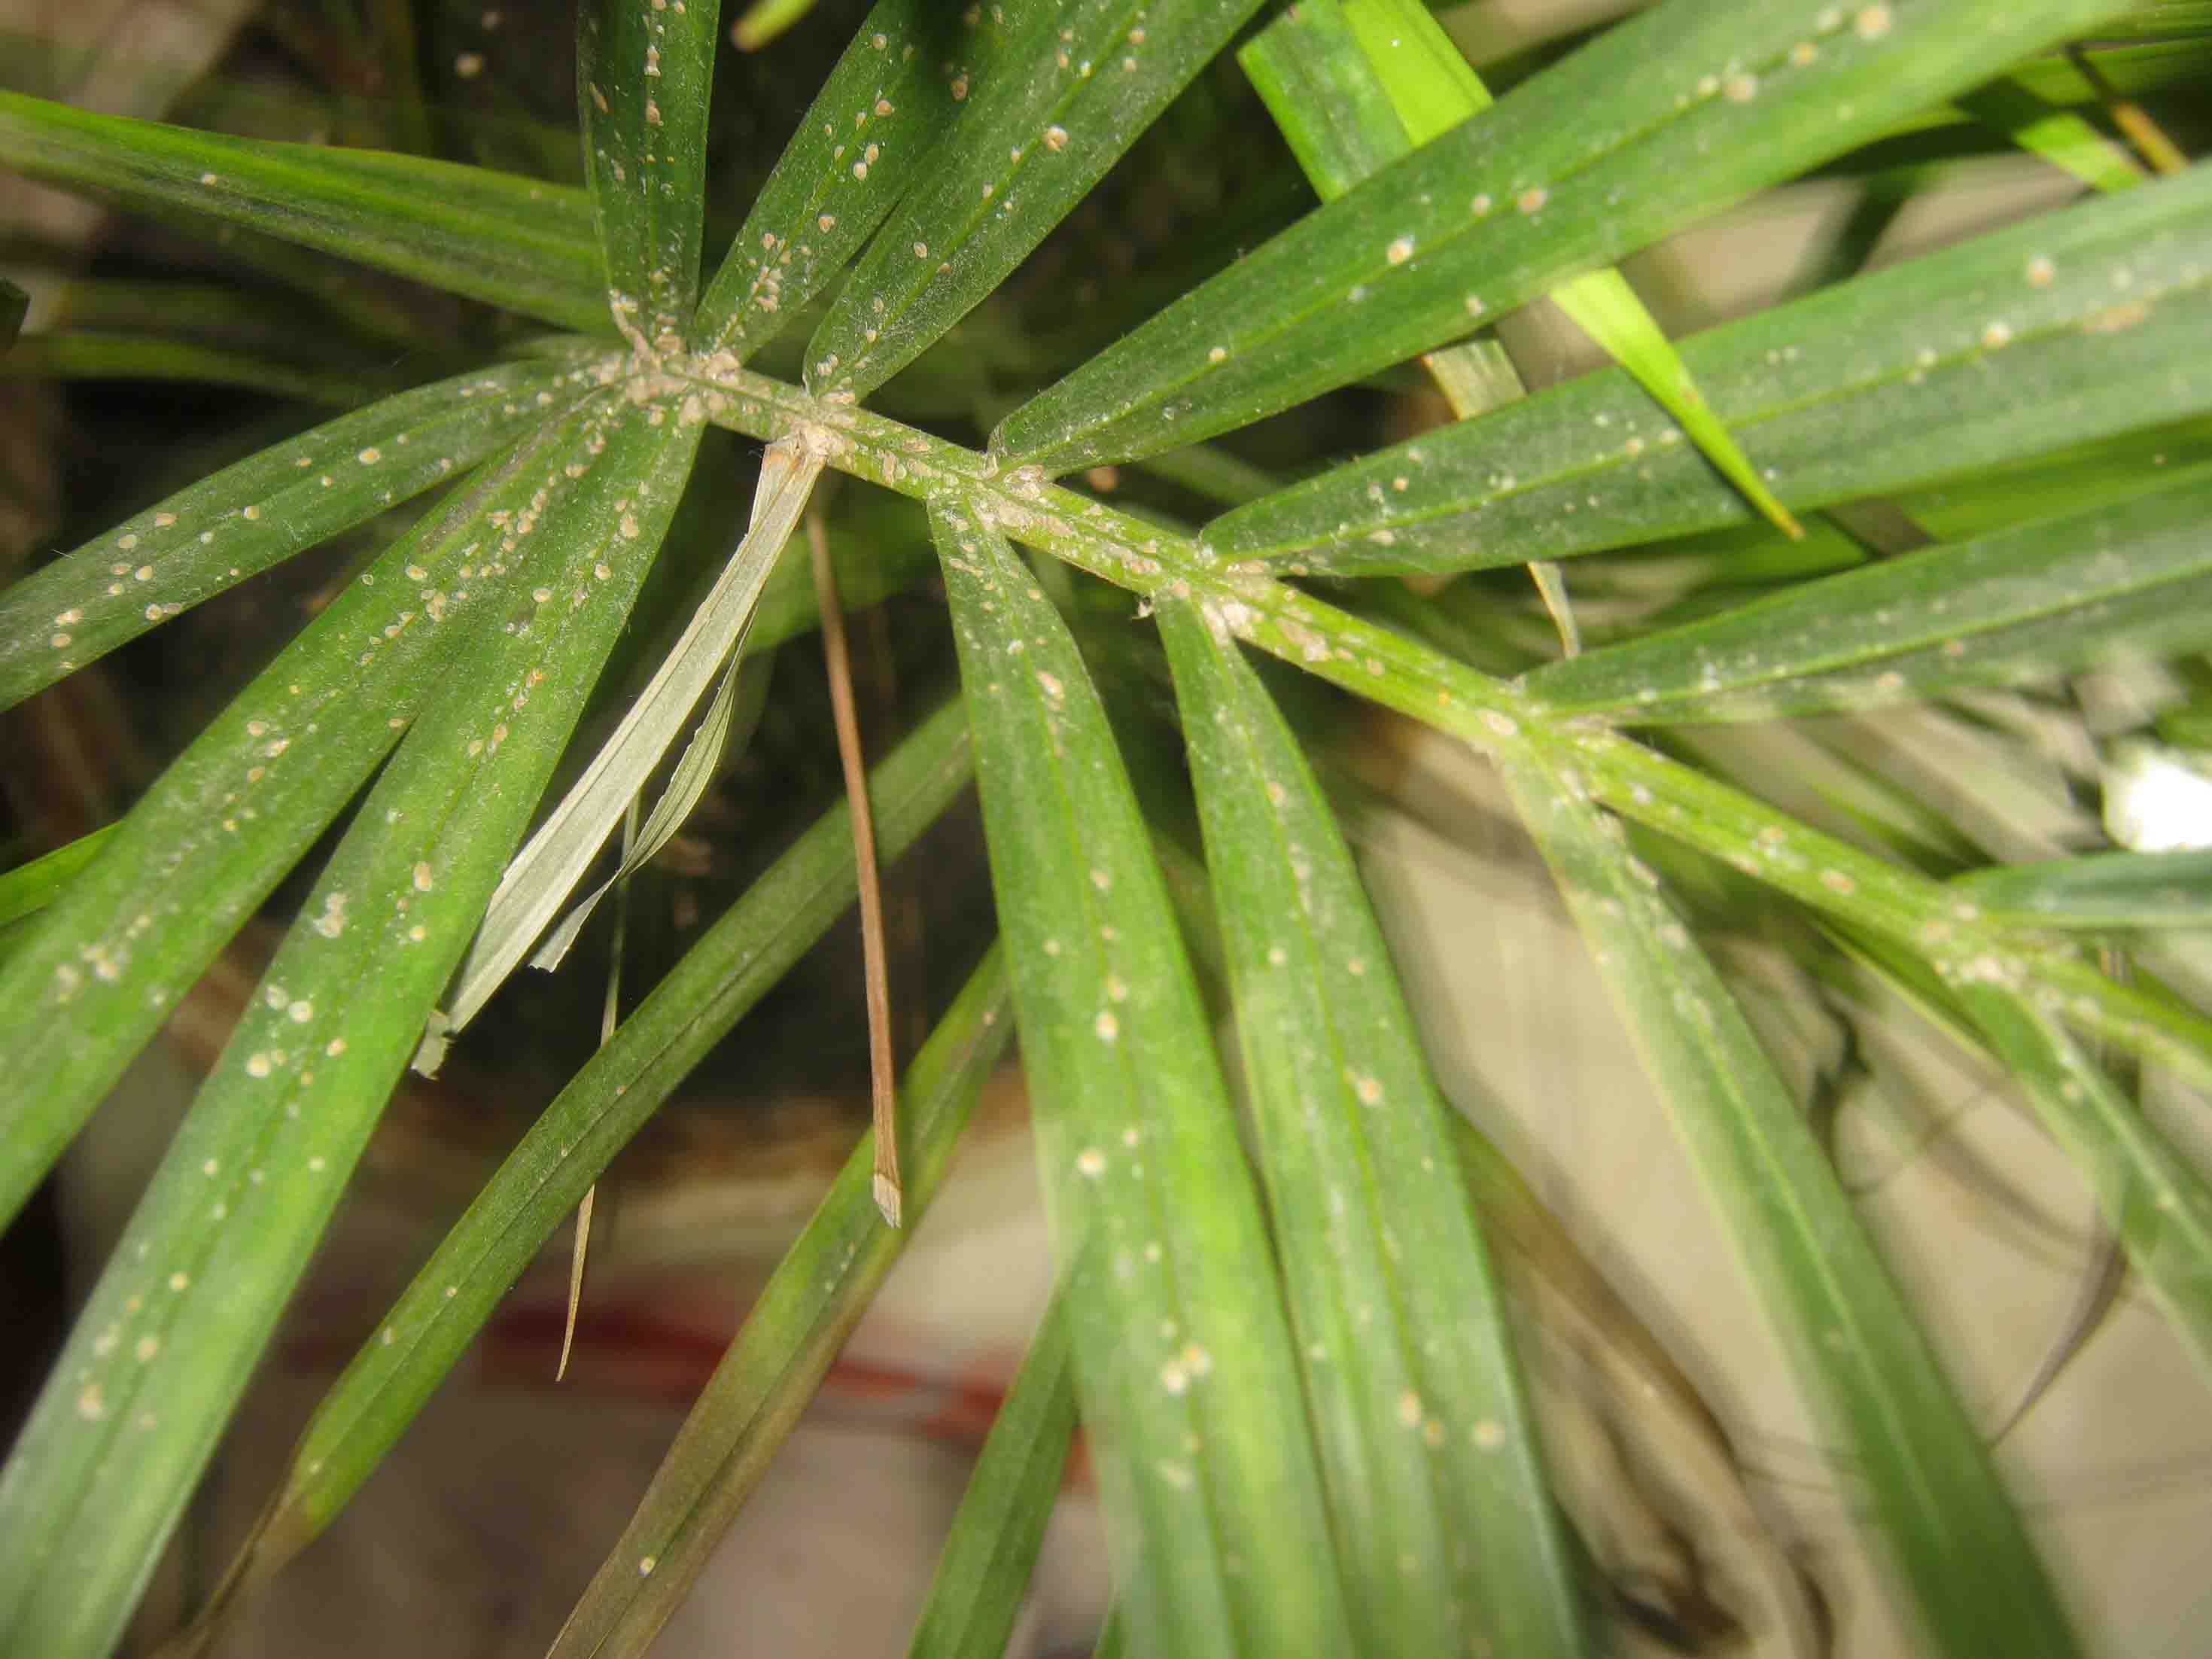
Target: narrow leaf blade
x: 764, y: 20
x: 2044, y: 486
x: 1603, y: 306
x: 2069, y: 327
x: 1505, y: 207
x: 2159, y: 1206
x: 1434, y: 88
x: 1955, y: 1537
x: 214, y: 534
x: 2099, y: 890
x: 893, y: 95
x: 164, y: 1347
x: 734, y: 963
x: 2061, y: 137
x: 1066, y: 91
x: 787, y: 1342
x: 90, y: 354
x: 1426, y: 1443
x: 2131, y: 580
x: 643, y: 73
x: 1330, y: 105
x: 100, y: 971
x: 30, y: 887
x: 985, y: 1568
x: 514, y: 242
x: 1189, y: 1393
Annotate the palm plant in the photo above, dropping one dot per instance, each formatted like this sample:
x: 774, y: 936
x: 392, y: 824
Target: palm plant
x: 1293, y: 1366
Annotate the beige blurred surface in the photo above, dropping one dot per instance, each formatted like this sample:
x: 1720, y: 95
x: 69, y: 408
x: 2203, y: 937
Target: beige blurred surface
x: 477, y: 1541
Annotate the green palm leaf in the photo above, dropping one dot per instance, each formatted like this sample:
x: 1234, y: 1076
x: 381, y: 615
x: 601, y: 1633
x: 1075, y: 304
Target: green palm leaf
x: 1282, y: 1417
x: 2053, y: 332
x: 1448, y: 1538
x: 977, y: 1588
x: 1953, y: 1535
x: 787, y: 1343
x: 642, y: 74
x: 213, y: 836
x: 1433, y: 88
x: 173, y: 1331
x: 891, y: 100
x: 2132, y: 580
x: 2156, y: 1205
x: 238, y: 522
x: 1503, y: 208
x: 29, y: 888
x: 92, y: 354
x: 1058, y: 96
x: 735, y: 963
x: 2100, y: 890
x: 2063, y: 481
x: 1183, y: 1365
x: 514, y: 242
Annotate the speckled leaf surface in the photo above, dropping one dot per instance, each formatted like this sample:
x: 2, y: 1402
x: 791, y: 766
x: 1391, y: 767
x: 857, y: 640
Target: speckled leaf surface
x: 735, y: 963
x: 1678, y: 112
x: 1402, y: 672
x: 1432, y: 88
x: 2130, y: 579
x: 173, y: 1330
x: 1205, y: 1422
x: 895, y: 93
x: 1057, y: 100
x: 2047, y: 334
x: 1190, y: 1397
x: 209, y: 840
x: 643, y: 72
x: 236, y: 523
x: 1426, y: 1444
x: 1326, y: 100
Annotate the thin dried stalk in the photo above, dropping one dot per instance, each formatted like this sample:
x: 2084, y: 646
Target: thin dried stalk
x: 875, y: 969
